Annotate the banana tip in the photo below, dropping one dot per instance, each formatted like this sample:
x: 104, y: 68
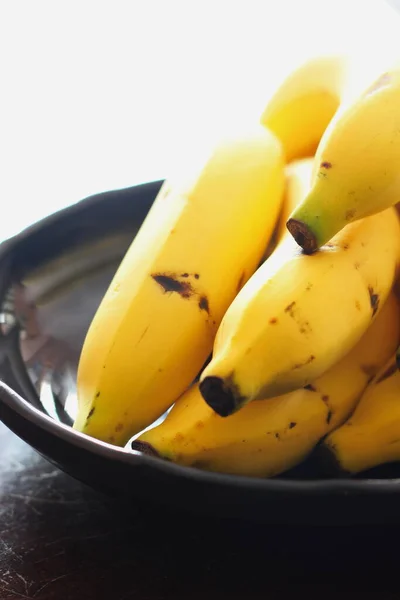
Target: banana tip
x: 144, y: 448
x: 329, y: 462
x: 302, y: 235
x: 221, y: 395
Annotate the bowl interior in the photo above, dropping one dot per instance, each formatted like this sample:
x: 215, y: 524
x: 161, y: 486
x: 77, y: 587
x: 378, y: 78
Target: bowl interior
x: 54, y: 276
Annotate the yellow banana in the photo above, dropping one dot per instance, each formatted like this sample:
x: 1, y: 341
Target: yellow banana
x: 267, y: 438
x: 155, y: 326
x: 298, y: 314
x: 356, y: 170
x: 304, y: 104
x: 371, y: 437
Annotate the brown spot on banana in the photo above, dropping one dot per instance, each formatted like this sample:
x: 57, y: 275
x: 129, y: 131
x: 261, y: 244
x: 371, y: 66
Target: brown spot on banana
x: 170, y: 283
x: 326, y: 165
x: 203, y: 304
x: 374, y: 300
x: 290, y: 308
x: 303, y: 364
x: 350, y: 213
x: 91, y: 411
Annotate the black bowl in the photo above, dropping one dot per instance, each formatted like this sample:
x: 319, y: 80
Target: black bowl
x: 52, y: 278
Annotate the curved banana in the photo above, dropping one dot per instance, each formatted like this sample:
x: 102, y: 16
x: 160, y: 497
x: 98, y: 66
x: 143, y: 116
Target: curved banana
x: 155, y: 326
x: 371, y: 437
x: 299, y: 314
x: 304, y: 104
x: 356, y: 171
x: 267, y: 438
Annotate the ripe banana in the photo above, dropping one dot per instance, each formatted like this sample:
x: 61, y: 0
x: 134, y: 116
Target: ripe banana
x: 304, y: 104
x: 267, y: 438
x: 298, y: 315
x: 203, y: 238
x: 371, y: 437
x: 356, y: 170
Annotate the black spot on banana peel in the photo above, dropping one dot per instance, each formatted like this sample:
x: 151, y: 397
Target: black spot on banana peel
x: 290, y: 308
x: 203, y: 304
x: 326, y: 165
x: 303, y: 236
x: 222, y: 395
x: 374, y: 300
x: 170, y: 283
x: 91, y: 411
x: 303, y: 364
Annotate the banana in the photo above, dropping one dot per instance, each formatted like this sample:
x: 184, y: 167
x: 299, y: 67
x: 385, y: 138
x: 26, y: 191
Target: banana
x: 371, y: 437
x: 356, y: 169
x: 304, y: 104
x: 154, y: 329
x: 299, y: 314
x: 266, y: 438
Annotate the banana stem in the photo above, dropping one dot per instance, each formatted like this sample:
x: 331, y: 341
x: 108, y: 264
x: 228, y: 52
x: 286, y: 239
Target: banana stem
x: 303, y: 236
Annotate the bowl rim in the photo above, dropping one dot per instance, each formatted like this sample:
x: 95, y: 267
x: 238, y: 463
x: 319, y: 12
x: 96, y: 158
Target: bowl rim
x: 26, y: 411
x: 43, y: 422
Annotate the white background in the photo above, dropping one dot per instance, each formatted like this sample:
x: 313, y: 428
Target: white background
x: 99, y: 95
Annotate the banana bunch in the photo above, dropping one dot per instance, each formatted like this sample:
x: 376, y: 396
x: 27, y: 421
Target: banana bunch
x: 268, y: 437
x: 274, y: 261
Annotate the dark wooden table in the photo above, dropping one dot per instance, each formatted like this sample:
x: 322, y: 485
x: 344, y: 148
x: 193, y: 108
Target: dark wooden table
x: 61, y: 540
